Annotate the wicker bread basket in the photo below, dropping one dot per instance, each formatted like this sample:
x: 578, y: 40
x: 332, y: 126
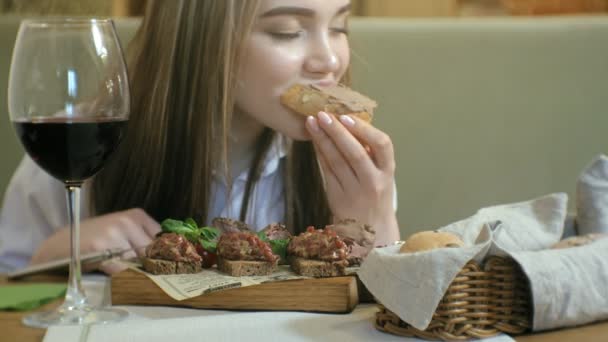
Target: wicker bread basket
x: 482, y: 301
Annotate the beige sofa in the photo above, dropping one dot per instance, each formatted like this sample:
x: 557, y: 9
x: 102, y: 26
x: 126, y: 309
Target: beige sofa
x: 481, y: 111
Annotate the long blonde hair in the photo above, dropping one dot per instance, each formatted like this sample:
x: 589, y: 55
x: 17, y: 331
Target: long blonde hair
x: 182, y: 64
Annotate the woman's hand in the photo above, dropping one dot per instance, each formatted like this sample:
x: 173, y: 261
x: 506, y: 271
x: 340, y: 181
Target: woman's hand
x: 129, y: 229
x: 358, y: 163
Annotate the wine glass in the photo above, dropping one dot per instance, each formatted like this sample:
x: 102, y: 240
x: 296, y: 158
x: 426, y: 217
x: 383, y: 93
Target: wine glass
x: 68, y: 99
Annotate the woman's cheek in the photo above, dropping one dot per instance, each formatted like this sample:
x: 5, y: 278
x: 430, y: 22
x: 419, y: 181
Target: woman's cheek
x: 267, y: 77
x: 269, y: 72
x: 267, y: 56
x: 283, y: 67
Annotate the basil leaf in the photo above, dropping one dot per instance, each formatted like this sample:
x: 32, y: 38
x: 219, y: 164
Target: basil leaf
x: 171, y: 225
x: 180, y: 228
x: 190, y: 222
x: 279, y: 247
x: 209, y: 233
x: 209, y: 246
x: 262, y: 236
x: 191, y: 235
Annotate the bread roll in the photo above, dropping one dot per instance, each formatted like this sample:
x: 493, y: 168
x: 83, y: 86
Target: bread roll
x: 428, y: 240
x: 309, y: 100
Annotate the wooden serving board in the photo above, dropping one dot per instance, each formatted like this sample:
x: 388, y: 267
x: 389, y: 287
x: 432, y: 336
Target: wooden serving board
x: 338, y: 294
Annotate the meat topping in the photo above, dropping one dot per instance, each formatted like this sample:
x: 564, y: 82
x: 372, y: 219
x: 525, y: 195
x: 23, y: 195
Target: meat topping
x: 172, y: 247
x: 244, y: 246
x: 359, y: 239
x: 276, y: 231
x: 319, y: 244
x: 227, y: 225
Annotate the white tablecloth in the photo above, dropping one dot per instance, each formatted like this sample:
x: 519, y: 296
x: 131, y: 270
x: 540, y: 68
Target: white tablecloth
x: 163, y: 324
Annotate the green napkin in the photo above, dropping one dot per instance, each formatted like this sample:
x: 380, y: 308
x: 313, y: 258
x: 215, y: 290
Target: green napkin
x: 29, y: 296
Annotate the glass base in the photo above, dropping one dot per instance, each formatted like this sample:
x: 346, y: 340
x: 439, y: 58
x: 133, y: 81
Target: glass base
x: 74, y: 316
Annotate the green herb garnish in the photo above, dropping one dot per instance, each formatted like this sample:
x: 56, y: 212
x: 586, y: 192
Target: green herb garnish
x: 278, y: 246
x: 206, y: 236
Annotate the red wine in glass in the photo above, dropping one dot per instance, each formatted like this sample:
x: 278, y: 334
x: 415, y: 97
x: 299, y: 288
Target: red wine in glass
x: 69, y: 102
x: 71, y: 149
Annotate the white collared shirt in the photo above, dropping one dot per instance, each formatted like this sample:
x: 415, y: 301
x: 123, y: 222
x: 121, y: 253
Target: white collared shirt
x: 267, y: 203
x: 35, y: 205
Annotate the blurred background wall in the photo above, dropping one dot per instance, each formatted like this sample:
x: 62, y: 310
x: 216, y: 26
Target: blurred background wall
x: 71, y: 7
x: 393, y: 8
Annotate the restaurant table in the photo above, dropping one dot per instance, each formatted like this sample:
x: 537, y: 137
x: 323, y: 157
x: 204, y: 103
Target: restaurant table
x: 97, y: 287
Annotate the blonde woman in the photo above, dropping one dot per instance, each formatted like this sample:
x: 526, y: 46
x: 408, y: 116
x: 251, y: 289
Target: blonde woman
x: 208, y: 137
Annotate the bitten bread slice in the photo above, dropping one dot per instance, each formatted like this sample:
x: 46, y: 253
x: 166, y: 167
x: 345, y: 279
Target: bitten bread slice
x: 239, y: 268
x: 318, y: 268
x: 159, y: 266
x: 309, y: 100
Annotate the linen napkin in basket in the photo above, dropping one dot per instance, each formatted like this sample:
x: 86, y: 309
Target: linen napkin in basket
x: 569, y: 286
x: 592, y: 197
x: 412, y: 285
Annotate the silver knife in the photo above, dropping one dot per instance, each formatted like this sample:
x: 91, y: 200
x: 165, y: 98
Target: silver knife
x: 65, y: 262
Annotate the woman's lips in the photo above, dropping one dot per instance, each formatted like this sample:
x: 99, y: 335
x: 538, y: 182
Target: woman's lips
x: 327, y: 83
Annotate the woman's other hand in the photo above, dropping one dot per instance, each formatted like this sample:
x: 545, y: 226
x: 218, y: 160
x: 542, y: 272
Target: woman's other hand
x: 358, y: 163
x: 129, y: 229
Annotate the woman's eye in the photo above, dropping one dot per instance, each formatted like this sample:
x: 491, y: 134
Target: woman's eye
x: 285, y: 35
x: 339, y: 30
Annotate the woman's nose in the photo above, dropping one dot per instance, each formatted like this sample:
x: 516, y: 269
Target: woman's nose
x: 322, y: 59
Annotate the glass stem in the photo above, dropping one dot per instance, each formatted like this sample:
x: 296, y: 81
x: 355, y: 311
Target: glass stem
x: 75, y: 296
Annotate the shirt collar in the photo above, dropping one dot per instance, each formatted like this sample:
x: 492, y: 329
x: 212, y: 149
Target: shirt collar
x: 277, y: 150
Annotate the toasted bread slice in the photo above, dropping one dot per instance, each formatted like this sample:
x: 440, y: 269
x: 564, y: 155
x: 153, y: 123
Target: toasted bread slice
x: 318, y: 268
x: 309, y: 100
x: 239, y: 268
x: 159, y: 266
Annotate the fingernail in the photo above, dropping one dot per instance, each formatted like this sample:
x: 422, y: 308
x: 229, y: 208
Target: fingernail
x: 347, y: 120
x: 325, y: 118
x: 312, y: 123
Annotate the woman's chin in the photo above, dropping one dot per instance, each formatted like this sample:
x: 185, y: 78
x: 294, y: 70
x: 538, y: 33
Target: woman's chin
x: 299, y: 134
x: 295, y: 128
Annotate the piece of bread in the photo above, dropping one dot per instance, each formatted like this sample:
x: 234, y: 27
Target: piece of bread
x: 576, y: 241
x: 160, y: 266
x: 239, y: 268
x: 428, y: 240
x: 318, y: 268
x: 309, y: 100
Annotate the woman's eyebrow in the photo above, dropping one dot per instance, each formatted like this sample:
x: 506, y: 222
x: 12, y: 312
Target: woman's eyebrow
x: 344, y: 9
x: 299, y: 11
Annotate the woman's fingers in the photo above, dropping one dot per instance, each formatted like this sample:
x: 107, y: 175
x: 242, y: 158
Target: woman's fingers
x: 139, y: 228
x: 379, y: 142
x: 139, y: 251
x: 129, y: 229
x: 112, y: 266
x: 136, y: 237
x: 147, y: 223
x: 328, y: 150
x: 332, y: 182
x: 347, y: 144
